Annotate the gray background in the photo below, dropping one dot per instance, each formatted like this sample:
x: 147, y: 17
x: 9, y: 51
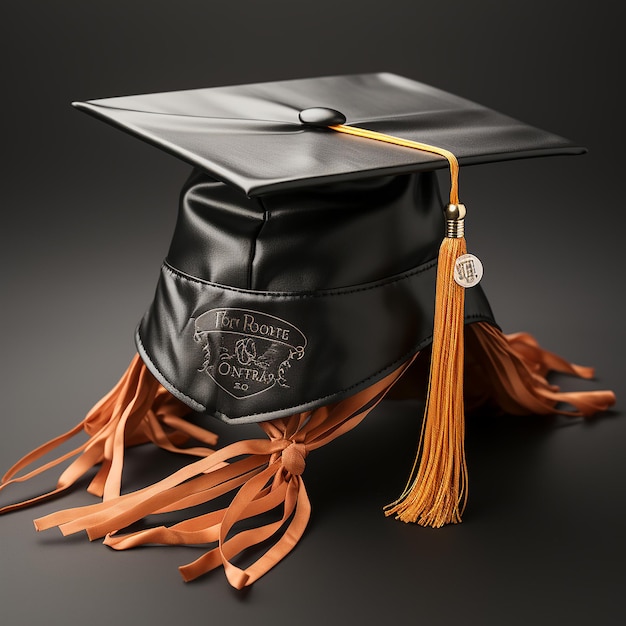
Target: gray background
x: 86, y: 217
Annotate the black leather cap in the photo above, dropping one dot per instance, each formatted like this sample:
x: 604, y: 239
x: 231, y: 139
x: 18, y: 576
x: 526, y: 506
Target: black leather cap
x: 302, y: 268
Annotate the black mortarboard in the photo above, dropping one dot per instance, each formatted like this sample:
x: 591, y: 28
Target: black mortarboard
x: 299, y: 286
x: 252, y: 137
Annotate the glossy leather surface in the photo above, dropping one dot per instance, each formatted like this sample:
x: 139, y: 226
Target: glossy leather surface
x: 251, y: 136
x: 332, y: 236
x: 266, y: 307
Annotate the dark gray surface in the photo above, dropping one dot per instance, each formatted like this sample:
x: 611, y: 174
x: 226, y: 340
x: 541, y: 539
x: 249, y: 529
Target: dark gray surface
x: 87, y: 215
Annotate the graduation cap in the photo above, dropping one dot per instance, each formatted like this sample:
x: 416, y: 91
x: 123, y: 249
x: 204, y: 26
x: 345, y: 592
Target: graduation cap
x: 313, y: 261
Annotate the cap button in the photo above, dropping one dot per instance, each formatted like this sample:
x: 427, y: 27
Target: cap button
x: 321, y: 117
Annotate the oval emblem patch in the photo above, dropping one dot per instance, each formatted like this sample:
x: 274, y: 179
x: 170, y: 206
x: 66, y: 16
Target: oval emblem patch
x: 247, y: 352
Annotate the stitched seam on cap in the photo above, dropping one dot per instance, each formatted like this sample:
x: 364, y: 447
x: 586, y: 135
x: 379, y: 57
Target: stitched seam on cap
x: 295, y: 294
x: 252, y: 255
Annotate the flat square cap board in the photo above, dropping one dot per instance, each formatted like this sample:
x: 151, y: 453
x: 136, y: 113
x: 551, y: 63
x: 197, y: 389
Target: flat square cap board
x: 251, y: 137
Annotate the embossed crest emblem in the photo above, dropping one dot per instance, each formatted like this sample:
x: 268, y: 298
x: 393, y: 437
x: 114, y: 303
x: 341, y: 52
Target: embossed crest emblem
x: 247, y: 352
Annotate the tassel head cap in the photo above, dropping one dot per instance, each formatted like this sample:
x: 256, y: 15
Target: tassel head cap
x: 455, y: 220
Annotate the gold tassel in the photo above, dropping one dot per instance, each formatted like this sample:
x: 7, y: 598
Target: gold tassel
x: 436, y: 492
x: 437, y: 489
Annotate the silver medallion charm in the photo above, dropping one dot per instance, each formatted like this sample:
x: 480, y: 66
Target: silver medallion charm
x: 468, y: 270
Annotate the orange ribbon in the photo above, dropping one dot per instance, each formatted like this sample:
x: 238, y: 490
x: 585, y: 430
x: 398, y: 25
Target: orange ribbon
x: 137, y: 410
x: 514, y: 367
x: 268, y: 476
